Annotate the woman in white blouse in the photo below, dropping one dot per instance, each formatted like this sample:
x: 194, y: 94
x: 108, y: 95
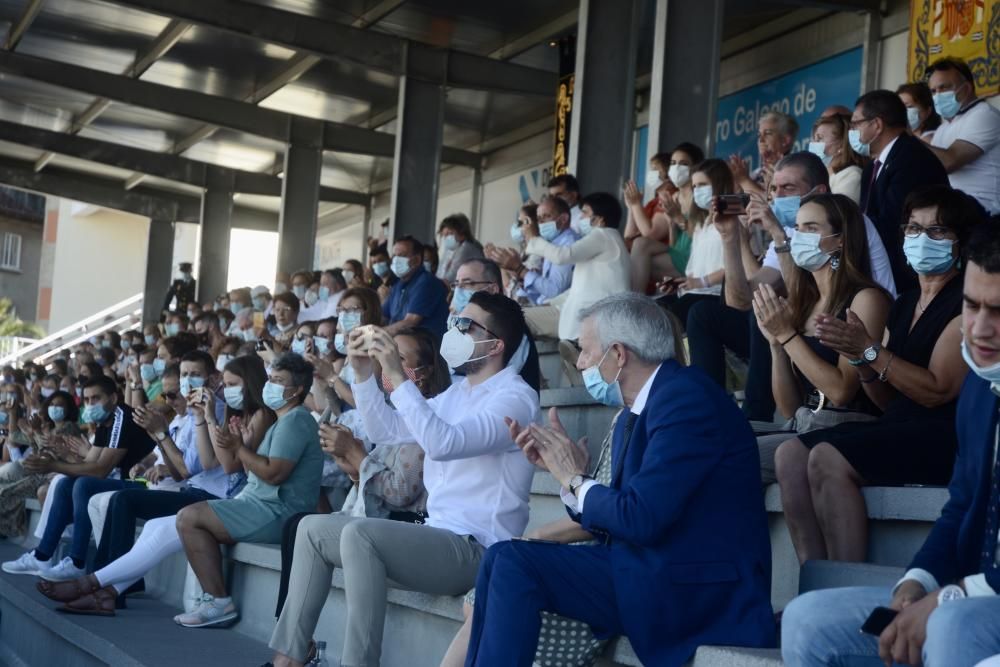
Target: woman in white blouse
x: 602, y: 265
x: 830, y: 142
x: 705, y: 268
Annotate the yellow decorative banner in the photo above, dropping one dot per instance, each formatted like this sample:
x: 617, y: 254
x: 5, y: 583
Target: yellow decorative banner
x: 564, y: 115
x: 966, y: 29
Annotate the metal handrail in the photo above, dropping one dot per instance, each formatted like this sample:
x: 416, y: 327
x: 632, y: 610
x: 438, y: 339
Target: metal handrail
x: 75, y: 329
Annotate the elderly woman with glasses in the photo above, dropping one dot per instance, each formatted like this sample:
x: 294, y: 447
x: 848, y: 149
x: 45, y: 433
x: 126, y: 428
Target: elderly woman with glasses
x: 913, y: 372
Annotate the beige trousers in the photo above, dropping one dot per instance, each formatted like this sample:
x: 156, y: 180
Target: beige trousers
x: 371, y: 552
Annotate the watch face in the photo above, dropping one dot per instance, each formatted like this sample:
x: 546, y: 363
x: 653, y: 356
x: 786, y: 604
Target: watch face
x: 871, y: 353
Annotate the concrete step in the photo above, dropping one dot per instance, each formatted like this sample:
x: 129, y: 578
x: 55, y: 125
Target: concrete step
x: 734, y: 656
x: 144, y: 635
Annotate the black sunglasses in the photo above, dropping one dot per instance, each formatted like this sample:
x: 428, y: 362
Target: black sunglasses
x: 464, y: 323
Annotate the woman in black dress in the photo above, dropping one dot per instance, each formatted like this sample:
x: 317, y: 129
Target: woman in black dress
x: 914, y: 378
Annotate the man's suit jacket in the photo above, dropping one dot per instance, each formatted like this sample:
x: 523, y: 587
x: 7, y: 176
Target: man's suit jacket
x: 954, y: 547
x: 910, y: 165
x: 690, y: 552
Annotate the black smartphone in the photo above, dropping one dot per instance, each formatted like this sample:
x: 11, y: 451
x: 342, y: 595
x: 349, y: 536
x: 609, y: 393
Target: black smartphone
x: 732, y: 204
x: 878, y: 621
x: 532, y: 539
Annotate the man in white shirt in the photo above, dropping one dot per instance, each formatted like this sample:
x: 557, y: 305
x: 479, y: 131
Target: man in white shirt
x: 567, y: 188
x: 331, y: 287
x: 968, y: 141
x: 477, y: 483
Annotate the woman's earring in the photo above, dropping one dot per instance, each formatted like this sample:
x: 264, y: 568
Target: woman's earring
x: 835, y: 262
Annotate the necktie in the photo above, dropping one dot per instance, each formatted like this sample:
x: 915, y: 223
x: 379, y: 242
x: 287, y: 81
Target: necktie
x: 988, y: 556
x: 871, y: 184
x: 626, y: 437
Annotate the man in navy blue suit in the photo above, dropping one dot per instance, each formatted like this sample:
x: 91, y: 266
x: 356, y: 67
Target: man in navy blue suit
x: 948, y: 603
x: 685, y: 558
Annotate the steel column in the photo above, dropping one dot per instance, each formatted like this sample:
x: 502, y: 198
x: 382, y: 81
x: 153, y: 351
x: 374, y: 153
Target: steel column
x: 687, y: 39
x: 216, y: 225
x: 300, y: 195
x: 159, y: 268
x: 417, y: 163
x: 604, y: 94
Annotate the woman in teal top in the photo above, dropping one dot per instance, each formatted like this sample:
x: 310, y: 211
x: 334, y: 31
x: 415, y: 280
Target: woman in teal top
x: 283, y: 478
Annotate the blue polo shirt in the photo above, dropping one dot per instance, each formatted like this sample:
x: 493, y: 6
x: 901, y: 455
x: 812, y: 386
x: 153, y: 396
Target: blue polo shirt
x: 421, y: 294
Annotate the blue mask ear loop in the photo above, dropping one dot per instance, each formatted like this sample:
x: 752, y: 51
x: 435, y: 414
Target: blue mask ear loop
x: 601, y: 362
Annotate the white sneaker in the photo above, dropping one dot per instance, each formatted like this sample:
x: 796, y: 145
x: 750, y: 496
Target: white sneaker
x: 208, y: 612
x: 65, y: 570
x: 26, y: 564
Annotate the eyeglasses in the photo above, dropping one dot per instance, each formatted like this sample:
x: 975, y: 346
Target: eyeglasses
x: 464, y: 323
x: 469, y: 284
x: 171, y: 395
x: 937, y: 232
x: 857, y: 123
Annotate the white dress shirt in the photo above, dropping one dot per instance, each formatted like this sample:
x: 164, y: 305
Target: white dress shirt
x: 575, y: 503
x: 321, y: 310
x: 978, y: 124
x: 478, y: 481
x: 601, y: 268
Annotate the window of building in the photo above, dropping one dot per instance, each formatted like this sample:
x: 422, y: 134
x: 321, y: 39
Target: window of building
x: 10, y: 252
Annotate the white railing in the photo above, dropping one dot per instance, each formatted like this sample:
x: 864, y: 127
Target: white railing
x: 125, y: 314
x: 10, y: 345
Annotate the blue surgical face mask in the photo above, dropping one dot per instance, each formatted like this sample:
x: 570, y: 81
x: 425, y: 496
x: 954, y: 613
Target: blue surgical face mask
x: 173, y: 329
x: 234, y: 397
x: 235, y: 307
x: 991, y: 373
x: 311, y: 298
x: 258, y: 303
x: 516, y: 234
x: 150, y: 340
x: 929, y: 256
x: 190, y: 382
x: 703, y: 196
x: 585, y: 226
x: 348, y: 276
x: 859, y: 147
x: 461, y: 299
x: 324, y: 292
x: 274, y: 395
x: 806, y: 252
x: 95, y: 414
x: 57, y: 413
x: 4, y: 417
x: 449, y: 242
x: 348, y: 320
x: 549, y: 230
x: 340, y: 343
x: 785, y: 209
x: 298, y: 346
x: 299, y: 291
x: 428, y: 267
x: 913, y: 117
x: 380, y: 269
x: 608, y: 393
x: 147, y: 372
x: 818, y: 148
x: 400, y: 265
x: 946, y: 104
x: 159, y: 365
x: 321, y: 344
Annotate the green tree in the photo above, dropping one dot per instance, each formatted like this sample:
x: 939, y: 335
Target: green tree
x: 12, y: 325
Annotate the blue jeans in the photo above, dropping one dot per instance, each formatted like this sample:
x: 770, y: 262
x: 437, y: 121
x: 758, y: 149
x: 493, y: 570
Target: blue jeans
x: 823, y: 628
x: 69, y: 506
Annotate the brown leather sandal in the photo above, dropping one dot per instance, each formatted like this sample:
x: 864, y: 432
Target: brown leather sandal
x: 99, y: 603
x: 67, y: 591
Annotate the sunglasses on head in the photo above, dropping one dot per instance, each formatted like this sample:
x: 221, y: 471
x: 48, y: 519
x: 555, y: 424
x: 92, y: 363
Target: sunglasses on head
x: 464, y: 323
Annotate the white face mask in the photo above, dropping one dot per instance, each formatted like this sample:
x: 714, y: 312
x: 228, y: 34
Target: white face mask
x: 680, y: 174
x: 457, y: 348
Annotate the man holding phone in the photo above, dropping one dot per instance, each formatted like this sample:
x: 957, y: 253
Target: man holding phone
x: 948, y: 603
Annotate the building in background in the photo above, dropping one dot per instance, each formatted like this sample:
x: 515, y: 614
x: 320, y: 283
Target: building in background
x: 22, y: 216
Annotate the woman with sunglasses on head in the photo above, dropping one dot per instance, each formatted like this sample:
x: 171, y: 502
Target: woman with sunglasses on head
x: 913, y: 375
x: 358, y: 307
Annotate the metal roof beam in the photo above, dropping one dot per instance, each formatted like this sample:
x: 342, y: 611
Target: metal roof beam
x: 171, y: 167
x: 96, y: 191
x: 334, y: 40
x: 839, y: 5
x: 211, y: 109
x: 19, y: 27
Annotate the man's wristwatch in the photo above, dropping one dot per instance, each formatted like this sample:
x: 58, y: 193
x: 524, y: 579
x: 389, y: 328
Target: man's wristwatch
x: 869, y: 355
x: 949, y: 593
x: 786, y: 247
x: 160, y: 436
x: 576, y: 482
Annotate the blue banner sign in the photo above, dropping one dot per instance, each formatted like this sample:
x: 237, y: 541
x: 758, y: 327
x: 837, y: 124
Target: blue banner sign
x: 802, y: 93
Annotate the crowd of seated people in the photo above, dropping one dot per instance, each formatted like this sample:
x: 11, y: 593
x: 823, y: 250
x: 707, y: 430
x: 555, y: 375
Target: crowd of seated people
x: 384, y: 417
